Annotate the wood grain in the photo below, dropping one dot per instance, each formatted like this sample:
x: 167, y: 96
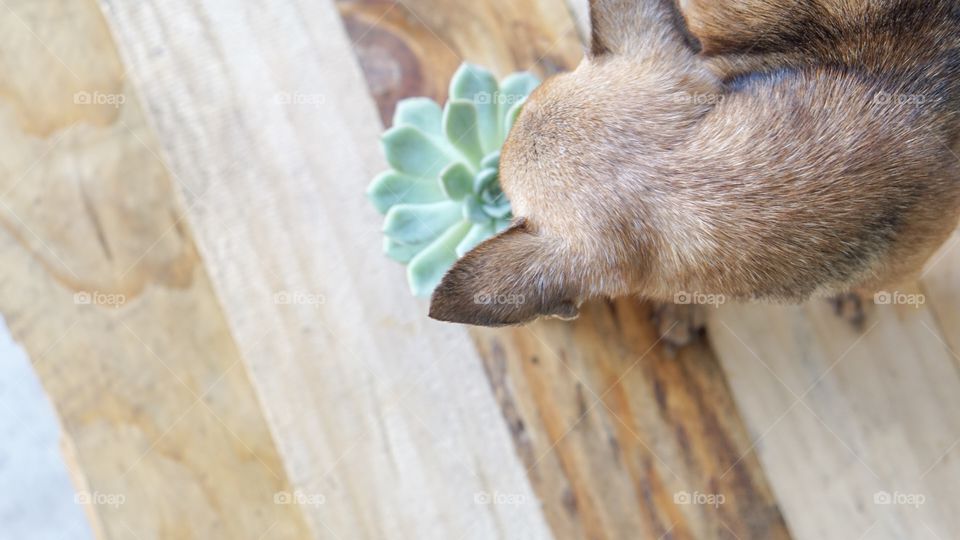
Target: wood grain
x: 160, y: 420
x: 410, y: 48
x: 263, y: 114
x: 619, y: 436
x: 939, y: 284
x: 609, y: 427
x: 858, y: 431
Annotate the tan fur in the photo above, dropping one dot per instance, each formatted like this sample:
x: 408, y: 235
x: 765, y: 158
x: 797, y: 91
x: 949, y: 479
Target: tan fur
x: 776, y: 164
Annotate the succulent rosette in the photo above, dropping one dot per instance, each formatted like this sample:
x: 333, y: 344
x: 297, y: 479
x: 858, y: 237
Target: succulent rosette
x: 441, y: 196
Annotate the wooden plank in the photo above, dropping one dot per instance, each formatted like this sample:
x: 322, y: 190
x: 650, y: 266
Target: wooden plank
x: 262, y: 113
x: 618, y: 435
x: 609, y: 427
x: 858, y: 432
x: 939, y: 285
x: 161, y: 422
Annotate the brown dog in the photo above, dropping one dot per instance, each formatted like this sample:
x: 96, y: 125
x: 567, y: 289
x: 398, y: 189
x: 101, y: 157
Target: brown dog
x: 755, y: 149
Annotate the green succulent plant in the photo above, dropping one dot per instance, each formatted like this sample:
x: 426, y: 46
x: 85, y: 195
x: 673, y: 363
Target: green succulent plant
x: 442, y: 195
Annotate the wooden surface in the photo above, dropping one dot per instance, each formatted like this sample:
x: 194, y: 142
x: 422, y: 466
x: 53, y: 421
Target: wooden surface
x: 283, y: 345
x: 616, y: 433
x: 154, y: 404
x: 610, y: 428
x: 380, y: 413
x: 844, y: 419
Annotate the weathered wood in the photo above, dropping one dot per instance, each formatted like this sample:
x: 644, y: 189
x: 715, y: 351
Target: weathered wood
x: 263, y: 114
x: 158, y: 414
x: 940, y: 283
x: 411, y: 48
x: 844, y: 421
x: 610, y: 428
x: 616, y: 433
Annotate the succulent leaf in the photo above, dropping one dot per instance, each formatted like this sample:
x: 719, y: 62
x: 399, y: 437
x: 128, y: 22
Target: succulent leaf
x: 491, y: 161
x: 498, y: 211
x: 419, y: 223
x: 411, y: 151
x: 512, y: 115
x: 480, y: 87
x: 427, y: 268
x: 422, y: 113
x: 392, y: 187
x: 516, y: 87
x: 478, y: 233
x: 485, y: 179
x: 461, y: 126
x: 402, y: 253
x: 457, y: 181
x: 473, y: 210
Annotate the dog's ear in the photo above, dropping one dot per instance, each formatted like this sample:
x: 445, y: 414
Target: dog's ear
x: 756, y: 25
x: 599, y: 27
x: 609, y: 25
x: 512, y: 278
x: 635, y: 27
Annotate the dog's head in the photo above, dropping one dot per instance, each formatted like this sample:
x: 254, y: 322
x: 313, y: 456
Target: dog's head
x: 572, y: 168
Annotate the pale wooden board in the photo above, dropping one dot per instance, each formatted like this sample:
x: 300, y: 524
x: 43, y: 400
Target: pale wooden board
x: 154, y: 403
x: 940, y: 283
x: 839, y: 417
x: 384, y: 414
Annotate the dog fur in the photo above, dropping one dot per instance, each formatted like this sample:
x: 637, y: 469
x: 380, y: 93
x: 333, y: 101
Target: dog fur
x: 755, y: 149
